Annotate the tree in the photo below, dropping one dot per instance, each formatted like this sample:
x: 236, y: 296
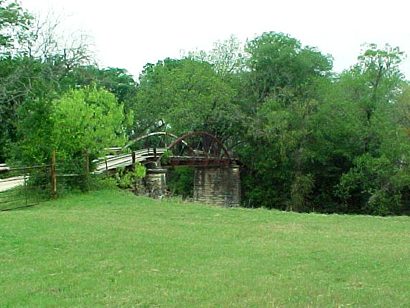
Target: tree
x: 375, y: 80
x: 283, y: 79
x: 81, y: 120
x: 377, y: 179
x: 14, y: 29
x: 280, y: 64
x: 87, y: 119
x: 183, y: 95
x: 402, y: 107
x: 336, y: 133
x: 115, y: 80
x: 15, y: 23
x: 227, y: 57
x: 33, y: 62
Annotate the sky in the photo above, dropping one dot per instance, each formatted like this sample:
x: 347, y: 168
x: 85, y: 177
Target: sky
x: 131, y: 33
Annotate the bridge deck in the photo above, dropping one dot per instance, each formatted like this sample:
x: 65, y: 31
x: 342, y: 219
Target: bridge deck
x: 125, y: 160
x: 147, y: 155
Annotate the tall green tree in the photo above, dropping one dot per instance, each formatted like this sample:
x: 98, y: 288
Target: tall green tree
x: 378, y: 179
x: 280, y: 66
x: 282, y: 82
x: 184, y: 95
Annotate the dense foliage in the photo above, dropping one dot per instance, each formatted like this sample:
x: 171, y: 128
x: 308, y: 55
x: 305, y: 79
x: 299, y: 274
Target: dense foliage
x: 308, y: 139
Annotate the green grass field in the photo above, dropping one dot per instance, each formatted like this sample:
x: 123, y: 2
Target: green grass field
x: 111, y: 248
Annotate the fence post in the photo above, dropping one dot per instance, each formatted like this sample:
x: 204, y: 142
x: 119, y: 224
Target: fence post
x: 134, y: 184
x: 25, y: 187
x: 53, y: 175
x: 86, y: 170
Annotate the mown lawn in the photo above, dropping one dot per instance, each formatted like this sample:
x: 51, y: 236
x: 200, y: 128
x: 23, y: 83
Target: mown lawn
x: 113, y: 249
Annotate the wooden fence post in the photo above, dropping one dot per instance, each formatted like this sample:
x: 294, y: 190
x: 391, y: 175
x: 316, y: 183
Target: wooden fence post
x: 134, y: 184
x: 53, y: 175
x: 86, y: 170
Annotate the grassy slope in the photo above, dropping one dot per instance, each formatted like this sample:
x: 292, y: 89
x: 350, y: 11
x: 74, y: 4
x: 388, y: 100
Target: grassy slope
x: 111, y: 248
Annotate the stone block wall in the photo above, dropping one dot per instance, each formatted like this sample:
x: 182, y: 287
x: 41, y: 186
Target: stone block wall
x: 218, y: 185
x: 156, y: 182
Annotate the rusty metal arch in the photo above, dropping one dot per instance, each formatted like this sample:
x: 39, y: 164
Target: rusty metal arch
x: 203, y: 134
